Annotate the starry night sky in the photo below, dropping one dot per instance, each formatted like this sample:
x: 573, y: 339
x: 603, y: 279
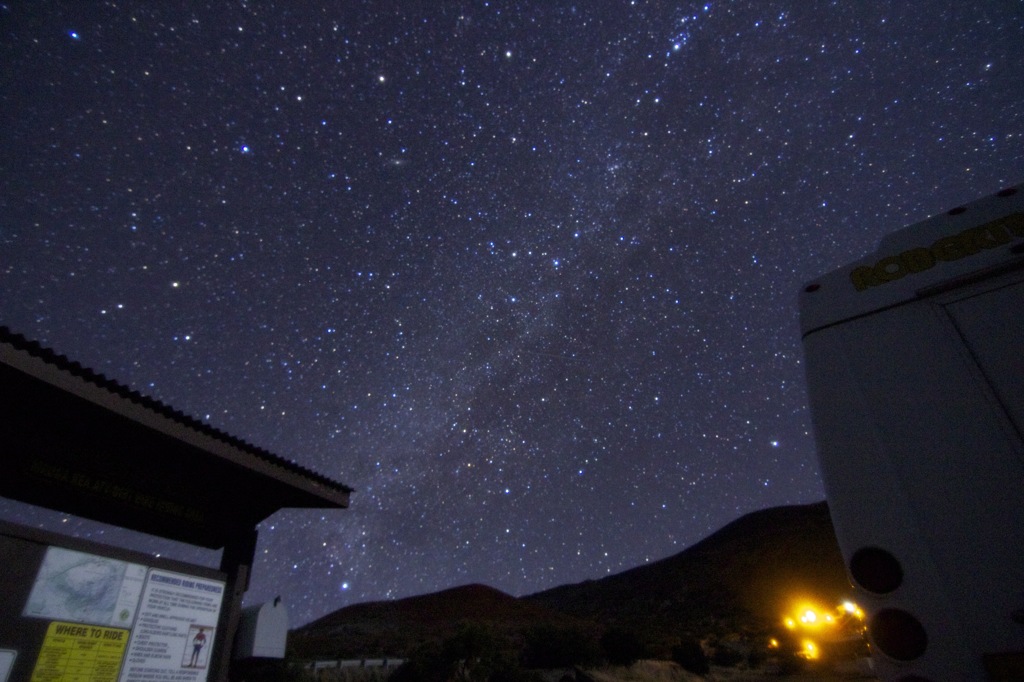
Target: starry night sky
x: 523, y: 274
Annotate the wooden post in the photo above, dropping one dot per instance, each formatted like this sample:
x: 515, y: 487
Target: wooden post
x: 236, y: 561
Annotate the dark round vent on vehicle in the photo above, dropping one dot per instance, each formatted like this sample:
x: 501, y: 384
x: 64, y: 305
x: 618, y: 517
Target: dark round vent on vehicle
x: 897, y: 634
x: 876, y: 570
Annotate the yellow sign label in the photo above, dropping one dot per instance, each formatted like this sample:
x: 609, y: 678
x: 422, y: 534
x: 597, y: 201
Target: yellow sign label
x: 73, y: 652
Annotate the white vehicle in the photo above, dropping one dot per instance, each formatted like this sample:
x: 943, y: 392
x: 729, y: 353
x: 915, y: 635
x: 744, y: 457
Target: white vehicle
x: 915, y: 367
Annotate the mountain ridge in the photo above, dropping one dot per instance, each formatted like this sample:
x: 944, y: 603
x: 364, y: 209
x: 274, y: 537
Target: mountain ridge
x: 739, y: 579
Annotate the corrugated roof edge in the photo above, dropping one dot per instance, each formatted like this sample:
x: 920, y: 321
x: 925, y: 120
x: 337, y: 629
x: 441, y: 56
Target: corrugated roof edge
x: 76, y: 369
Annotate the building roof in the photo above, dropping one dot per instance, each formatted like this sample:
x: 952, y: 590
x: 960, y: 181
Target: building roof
x: 73, y: 440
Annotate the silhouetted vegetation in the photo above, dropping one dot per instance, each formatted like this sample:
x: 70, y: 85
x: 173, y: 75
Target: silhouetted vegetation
x: 622, y: 647
x: 558, y: 647
x: 266, y: 670
x: 474, y: 654
x: 726, y: 657
x: 691, y: 657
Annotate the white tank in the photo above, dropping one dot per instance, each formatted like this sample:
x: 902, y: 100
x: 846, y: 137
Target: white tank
x: 263, y: 631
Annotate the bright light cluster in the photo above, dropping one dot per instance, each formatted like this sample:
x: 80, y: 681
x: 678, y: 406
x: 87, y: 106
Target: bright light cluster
x: 812, y: 625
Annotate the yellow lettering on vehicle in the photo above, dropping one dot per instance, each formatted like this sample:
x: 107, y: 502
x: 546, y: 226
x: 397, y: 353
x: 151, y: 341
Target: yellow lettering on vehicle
x: 947, y: 249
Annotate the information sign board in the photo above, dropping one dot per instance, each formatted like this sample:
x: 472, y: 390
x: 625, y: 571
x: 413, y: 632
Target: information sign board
x: 83, y: 612
x: 174, y: 633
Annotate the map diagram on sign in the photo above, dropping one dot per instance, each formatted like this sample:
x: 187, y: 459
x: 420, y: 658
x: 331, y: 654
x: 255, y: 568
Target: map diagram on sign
x: 86, y: 588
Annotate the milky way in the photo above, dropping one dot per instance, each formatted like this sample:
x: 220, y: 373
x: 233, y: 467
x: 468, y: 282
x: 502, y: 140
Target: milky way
x: 522, y: 274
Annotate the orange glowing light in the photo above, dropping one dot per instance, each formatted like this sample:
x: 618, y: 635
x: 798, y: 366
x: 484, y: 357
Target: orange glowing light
x: 809, y: 618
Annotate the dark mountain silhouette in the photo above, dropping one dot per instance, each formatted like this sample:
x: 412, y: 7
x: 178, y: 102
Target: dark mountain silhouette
x: 741, y: 578
x: 738, y: 580
x: 397, y: 627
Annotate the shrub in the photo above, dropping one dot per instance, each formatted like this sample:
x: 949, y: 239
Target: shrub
x: 622, y: 647
x: 553, y: 647
x: 726, y: 657
x: 267, y: 670
x: 691, y: 657
x: 474, y: 654
x: 426, y: 664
